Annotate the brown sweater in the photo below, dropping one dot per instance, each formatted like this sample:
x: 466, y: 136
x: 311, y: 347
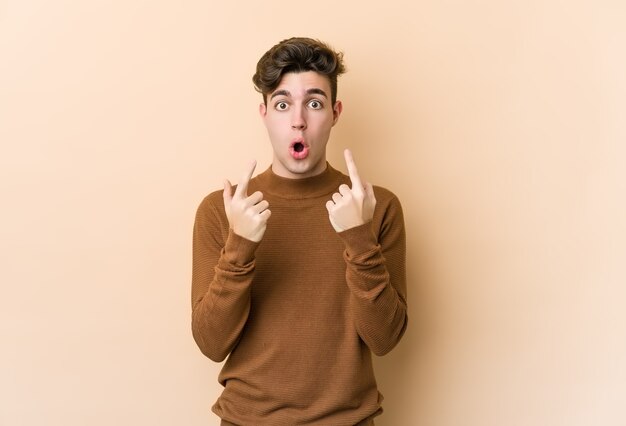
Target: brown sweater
x: 300, y: 311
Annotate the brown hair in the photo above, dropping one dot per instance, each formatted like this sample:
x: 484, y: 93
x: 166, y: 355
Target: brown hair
x: 297, y: 54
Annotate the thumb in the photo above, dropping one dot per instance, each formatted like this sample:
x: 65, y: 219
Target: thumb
x: 369, y: 192
x: 228, y: 193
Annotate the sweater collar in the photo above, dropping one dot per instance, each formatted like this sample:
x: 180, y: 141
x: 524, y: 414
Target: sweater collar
x: 325, y: 183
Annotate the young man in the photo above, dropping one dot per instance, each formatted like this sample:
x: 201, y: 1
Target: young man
x: 299, y: 297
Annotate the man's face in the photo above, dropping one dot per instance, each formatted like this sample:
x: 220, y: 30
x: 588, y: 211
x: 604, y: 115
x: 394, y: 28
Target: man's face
x: 298, y: 116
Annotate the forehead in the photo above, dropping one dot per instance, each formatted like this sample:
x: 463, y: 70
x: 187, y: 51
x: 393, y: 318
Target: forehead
x: 299, y: 82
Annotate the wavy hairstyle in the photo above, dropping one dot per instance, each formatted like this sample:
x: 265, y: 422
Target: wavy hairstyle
x: 297, y: 54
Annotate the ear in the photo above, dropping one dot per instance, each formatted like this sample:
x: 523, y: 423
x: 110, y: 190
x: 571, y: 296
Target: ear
x: 337, y: 108
x: 262, y: 110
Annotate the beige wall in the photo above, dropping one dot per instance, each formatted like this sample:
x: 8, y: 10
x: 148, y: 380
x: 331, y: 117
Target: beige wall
x: 501, y: 126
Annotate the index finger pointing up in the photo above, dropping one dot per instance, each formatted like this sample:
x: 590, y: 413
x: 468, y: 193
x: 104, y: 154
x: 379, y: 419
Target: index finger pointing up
x: 352, y: 171
x: 242, y: 185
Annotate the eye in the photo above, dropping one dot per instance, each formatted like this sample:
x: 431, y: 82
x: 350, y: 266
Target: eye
x: 315, y: 104
x: 281, y: 106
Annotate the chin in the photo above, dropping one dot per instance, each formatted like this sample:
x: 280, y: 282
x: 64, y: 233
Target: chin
x: 309, y: 166
x: 300, y: 169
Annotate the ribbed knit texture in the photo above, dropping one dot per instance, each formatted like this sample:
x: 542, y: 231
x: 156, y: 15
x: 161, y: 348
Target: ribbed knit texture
x: 301, y: 311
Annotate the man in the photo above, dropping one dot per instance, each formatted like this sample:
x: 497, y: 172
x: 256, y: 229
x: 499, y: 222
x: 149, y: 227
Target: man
x: 299, y: 273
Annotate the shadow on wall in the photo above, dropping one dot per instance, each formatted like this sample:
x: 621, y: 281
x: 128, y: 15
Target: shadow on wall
x: 398, y: 372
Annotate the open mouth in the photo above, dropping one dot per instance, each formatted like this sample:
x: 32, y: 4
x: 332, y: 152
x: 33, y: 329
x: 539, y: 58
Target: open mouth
x: 299, y: 150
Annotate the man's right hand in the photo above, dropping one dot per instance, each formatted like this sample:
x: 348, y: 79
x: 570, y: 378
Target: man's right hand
x: 247, y: 215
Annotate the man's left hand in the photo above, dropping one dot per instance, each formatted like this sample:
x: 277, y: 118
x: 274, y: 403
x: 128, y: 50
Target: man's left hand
x: 351, y: 207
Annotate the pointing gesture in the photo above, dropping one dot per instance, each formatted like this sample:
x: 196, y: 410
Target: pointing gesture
x: 247, y: 215
x: 351, y: 207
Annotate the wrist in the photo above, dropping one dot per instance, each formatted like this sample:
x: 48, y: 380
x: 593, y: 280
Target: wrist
x: 359, y: 239
x: 239, y: 250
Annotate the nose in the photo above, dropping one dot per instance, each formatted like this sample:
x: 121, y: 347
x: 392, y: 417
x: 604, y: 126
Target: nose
x: 298, y: 121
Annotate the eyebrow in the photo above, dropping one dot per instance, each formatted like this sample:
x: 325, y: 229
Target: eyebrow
x: 313, y: 91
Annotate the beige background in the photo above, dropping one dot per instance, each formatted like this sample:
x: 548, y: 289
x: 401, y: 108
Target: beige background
x: 500, y: 124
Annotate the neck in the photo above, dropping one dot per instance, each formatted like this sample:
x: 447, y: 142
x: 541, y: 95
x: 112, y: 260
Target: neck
x: 324, y: 183
x: 281, y: 170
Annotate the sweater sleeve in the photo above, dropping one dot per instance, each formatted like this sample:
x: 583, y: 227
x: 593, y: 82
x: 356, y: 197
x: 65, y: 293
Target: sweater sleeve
x: 222, y: 273
x: 376, y: 276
